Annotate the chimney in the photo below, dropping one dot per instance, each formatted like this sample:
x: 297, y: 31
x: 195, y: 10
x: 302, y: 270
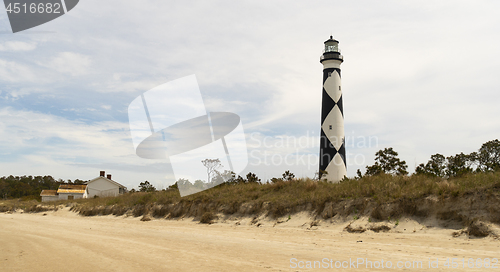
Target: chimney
x: 109, y: 176
x: 102, y: 173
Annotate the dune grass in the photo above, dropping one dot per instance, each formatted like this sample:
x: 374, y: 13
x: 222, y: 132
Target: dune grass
x: 283, y: 196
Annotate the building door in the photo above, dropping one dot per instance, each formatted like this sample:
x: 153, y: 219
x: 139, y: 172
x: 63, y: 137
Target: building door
x: 71, y: 197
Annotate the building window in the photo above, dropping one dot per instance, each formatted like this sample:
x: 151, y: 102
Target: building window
x: 330, y: 127
x: 340, y: 88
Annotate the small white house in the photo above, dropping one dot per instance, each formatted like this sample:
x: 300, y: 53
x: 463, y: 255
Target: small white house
x: 104, y: 186
x: 49, y: 195
x: 72, y: 191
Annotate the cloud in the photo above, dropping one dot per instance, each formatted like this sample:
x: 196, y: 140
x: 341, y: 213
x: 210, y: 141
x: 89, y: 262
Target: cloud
x: 422, y: 77
x: 70, y: 63
x: 11, y: 71
x: 17, y: 46
x: 38, y: 144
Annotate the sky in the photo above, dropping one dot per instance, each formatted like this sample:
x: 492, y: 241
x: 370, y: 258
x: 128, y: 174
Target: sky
x: 419, y: 76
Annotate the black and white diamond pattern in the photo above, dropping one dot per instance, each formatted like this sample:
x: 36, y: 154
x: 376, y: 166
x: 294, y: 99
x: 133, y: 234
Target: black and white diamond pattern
x: 332, y: 143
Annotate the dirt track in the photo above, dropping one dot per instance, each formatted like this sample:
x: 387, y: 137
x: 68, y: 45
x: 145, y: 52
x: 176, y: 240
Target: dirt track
x: 64, y: 241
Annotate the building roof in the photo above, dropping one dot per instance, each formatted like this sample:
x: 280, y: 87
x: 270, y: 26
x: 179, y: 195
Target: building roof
x: 110, y: 180
x: 331, y: 40
x: 71, y: 189
x: 48, y: 193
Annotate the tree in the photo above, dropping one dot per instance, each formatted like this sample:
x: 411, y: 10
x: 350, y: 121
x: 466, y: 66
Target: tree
x: 217, y: 178
x: 3, y: 185
x: 239, y: 179
x: 387, y: 161
x: 183, y: 182
x: 146, y: 187
x: 79, y: 181
x: 199, y: 184
x: 185, y: 185
x: 373, y: 170
x: 22, y: 186
x: 251, y: 177
x: 212, y: 165
x: 226, y: 176
x: 488, y: 156
x: 460, y: 164
x: 173, y: 187
x: 359, y: 175
x: 288, y: 176
x: 435, y: 167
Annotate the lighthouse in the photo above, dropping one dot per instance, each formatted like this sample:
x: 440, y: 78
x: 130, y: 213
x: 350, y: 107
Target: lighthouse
x: 332, y: 159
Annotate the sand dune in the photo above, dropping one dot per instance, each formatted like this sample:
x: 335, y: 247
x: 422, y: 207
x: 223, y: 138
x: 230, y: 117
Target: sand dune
x: 65, y: 241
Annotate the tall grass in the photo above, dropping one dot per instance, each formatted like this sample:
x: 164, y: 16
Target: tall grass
x: 282, y: 197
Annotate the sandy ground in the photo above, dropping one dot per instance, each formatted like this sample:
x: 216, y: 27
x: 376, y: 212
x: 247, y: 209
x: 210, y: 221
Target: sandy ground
x: 65, y: 241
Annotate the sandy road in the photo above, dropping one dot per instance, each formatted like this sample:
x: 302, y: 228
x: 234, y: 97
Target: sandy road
x: 64, y: 241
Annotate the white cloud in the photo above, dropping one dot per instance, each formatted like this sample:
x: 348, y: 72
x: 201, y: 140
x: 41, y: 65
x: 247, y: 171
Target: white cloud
x: 11, y: 71
x: 420, y: 76
x: 17, y: 46
x: 70, y: 63
x: 122, y: 85
x: 43, y: 144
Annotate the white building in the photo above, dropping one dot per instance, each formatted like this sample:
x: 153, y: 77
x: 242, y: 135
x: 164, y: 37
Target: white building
x: 72, y: 191
x: 104, y: 186
x: 49, y: 195
x: 65, y: 192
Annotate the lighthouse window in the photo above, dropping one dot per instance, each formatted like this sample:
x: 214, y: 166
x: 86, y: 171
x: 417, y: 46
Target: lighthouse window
x: 331, y: 48
x: 330, y: 127
x: 339, y: 88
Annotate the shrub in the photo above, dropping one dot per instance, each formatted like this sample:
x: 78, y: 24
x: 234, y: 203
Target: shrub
x: 207, y: 218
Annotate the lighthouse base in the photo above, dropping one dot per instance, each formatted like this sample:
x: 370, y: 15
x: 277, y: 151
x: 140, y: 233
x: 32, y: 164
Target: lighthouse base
x: 335, y: 171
